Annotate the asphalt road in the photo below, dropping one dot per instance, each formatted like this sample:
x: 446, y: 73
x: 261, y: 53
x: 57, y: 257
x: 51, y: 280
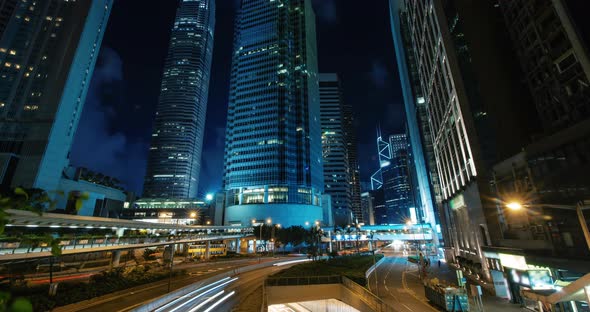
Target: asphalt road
x: 241, y: 292
x: 127, y: 300
x: 393, y: 286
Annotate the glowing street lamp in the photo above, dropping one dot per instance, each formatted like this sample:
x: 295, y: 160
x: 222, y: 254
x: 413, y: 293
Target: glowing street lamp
x: 514, y: 206
x: 579, y: 208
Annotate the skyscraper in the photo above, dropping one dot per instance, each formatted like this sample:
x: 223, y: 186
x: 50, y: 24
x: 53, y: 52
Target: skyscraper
x: 353, y: 164
x: 337, y: 172
x: 396, y: 184
x: 273, y: 151
x: 48, y: 50
x: 417, y: 123
x: 476, y: 110
x: 174, y: 161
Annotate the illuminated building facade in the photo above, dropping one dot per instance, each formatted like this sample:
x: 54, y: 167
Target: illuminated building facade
x: 174, y: 161
x: 48, y: 50
x: 273, y: 150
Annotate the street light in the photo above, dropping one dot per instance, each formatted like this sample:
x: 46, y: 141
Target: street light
x: 579, y: 208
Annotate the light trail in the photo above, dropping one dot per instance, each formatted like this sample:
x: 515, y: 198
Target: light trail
x: 220, y: 301
x: 162, y: 308
x: 202, y: 294
x: 206, y: 301
x: 291, y: 262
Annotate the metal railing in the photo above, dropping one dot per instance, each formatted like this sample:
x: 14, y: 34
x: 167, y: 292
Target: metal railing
x: 24, y: 247
x: 367, y: 296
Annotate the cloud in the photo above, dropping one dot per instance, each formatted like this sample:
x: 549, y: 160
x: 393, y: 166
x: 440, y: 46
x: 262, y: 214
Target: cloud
x: 98, y: 147
x: 326, y: 11
x: 379, y: 74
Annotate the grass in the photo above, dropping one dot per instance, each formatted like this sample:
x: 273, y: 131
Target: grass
x: 353, y: 267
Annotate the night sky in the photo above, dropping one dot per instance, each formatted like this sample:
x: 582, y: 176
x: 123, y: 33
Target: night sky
x: 115, y: 128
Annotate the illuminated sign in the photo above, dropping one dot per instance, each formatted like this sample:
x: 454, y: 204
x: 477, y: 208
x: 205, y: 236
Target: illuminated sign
x: 513, y: 261
x: 540, y: 279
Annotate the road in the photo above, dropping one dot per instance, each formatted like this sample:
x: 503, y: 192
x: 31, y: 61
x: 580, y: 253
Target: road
x: 128, y: 299
x: 393, y: 285
x: 238, y: 293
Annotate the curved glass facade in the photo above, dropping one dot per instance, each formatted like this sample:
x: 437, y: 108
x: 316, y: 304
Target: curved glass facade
x: 273, y: 151
x: 174, y: 161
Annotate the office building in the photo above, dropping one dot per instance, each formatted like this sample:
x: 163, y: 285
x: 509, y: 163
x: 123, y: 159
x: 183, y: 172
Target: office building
x: 370, y: 201
x: 48, y: 50
x: 102, y: 196
x: 337, y: 172
x: 174, y: 161
x: 399, y: 202
x: 353, y: 166
x: 423, y: 165
x: 273, y: 151
x: 476, y: 109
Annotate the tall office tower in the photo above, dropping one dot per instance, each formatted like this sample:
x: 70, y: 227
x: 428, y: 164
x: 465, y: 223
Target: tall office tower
x: 554, y: 59
x: 422, y: 156
x: 396, y: 184
x: 174, y: 161
x: 477, y: 111
x: 353, y: 165
x: 371, y: 202
x: 384, y: 155
x: 273, y: 151
x: 337, y: 170
x: 48, y: 50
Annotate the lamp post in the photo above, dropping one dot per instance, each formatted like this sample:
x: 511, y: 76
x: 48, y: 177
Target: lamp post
x: 579, y: 208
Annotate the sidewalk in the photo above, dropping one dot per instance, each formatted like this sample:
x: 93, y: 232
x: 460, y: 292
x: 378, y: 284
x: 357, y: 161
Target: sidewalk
x: 447, y: 273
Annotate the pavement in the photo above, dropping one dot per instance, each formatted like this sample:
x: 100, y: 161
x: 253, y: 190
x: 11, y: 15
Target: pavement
x: 400, y: 286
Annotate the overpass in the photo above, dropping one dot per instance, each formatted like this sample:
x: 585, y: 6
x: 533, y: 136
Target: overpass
x: 390, y: 232
x: 19, y: 247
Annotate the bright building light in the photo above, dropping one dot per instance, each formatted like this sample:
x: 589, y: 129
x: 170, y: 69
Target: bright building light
x: 514, y: 206
x: 209, y: 197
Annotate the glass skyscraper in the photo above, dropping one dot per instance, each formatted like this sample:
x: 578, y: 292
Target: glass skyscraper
x: 273, y: 151
x: 48, y: 50
x: 174, y: 161
x: 337, y: 171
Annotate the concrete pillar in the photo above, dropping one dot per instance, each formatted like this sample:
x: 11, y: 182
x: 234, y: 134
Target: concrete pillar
x: 208, y: 250
x: 254, y: 246
x: 115, y: 258
x: 185, y: 249
x: 238, y: 241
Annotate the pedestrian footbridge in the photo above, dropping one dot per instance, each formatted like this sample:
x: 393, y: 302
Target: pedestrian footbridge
x: 29, y: 235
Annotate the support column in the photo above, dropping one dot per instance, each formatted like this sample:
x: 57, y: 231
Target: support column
x: 238, y: 245
x: 115, y: 258
x: 208, y: 250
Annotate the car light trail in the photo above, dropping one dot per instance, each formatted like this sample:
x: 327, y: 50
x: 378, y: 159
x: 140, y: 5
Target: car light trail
x: 220, y: 301
x: 162, y: 308
x: 291, y: 262
x: 206, y: 301
x: 202, y: 294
